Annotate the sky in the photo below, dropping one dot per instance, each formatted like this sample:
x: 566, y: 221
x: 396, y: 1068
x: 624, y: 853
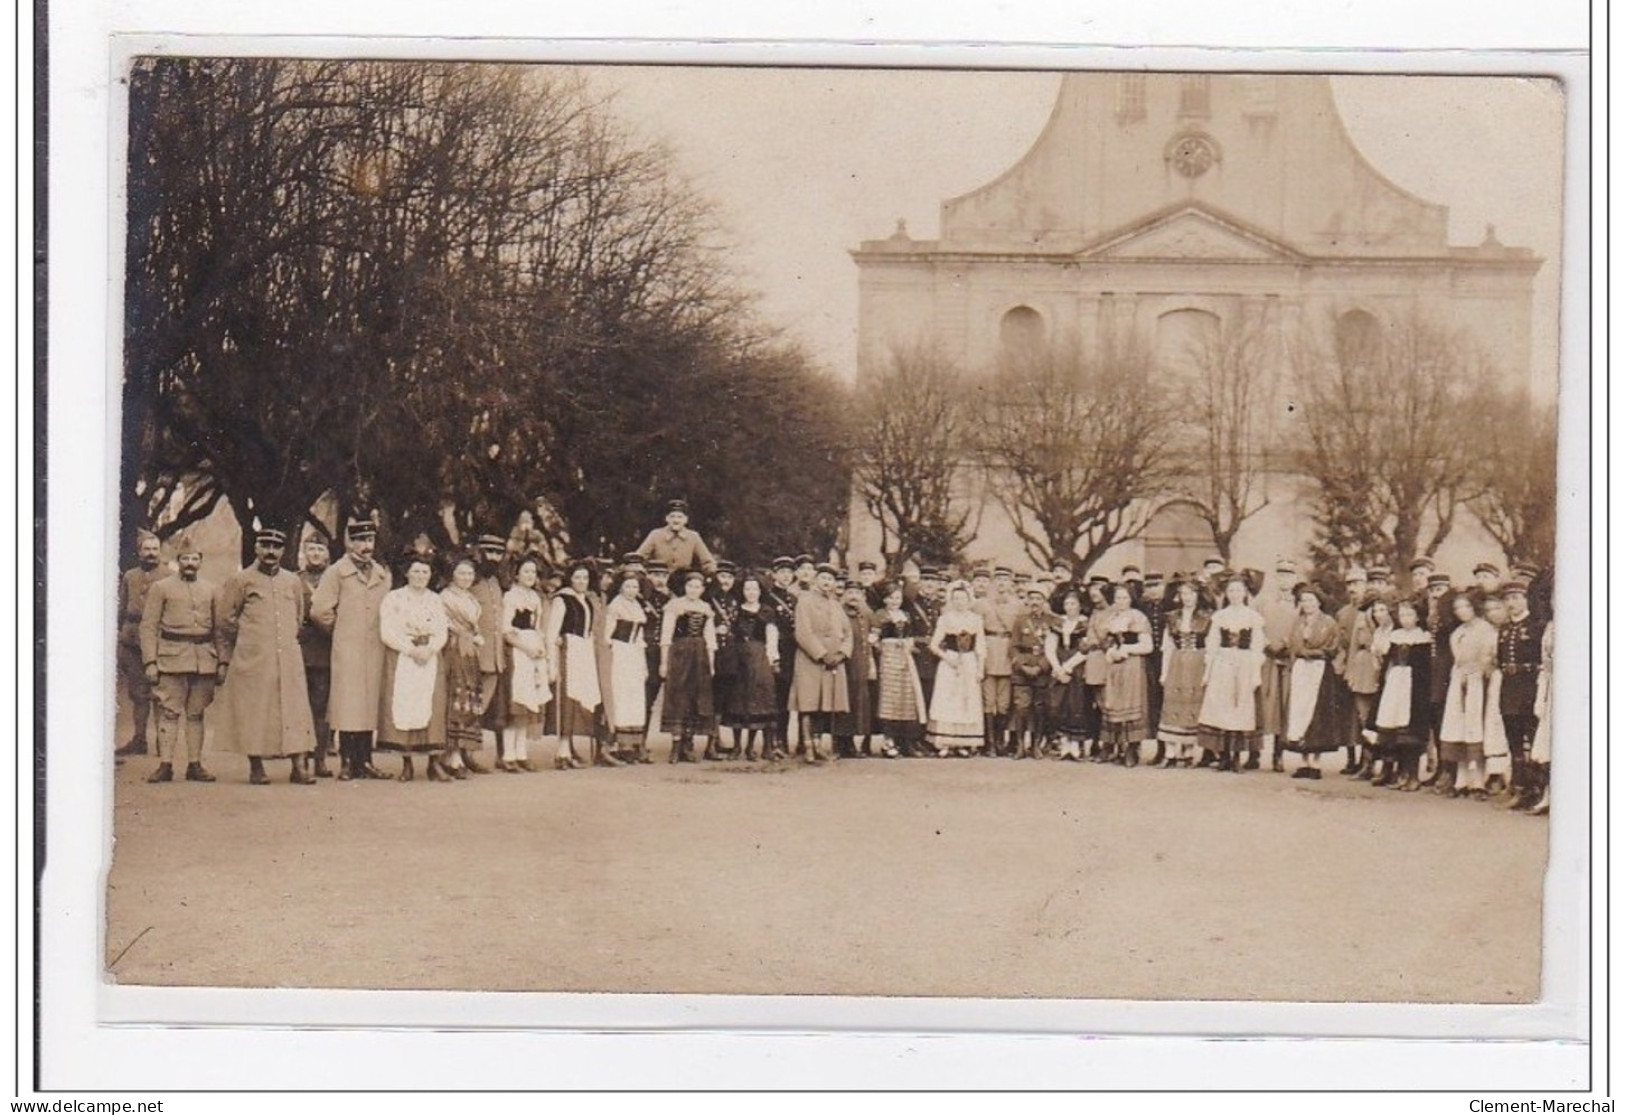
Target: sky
x: 803, y: 164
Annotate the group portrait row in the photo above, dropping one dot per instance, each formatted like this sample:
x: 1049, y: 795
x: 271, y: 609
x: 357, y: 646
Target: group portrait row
x: 492, y: 658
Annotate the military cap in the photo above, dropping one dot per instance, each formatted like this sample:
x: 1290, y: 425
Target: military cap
x: 1487, y: 567
x: 726, y: 566
x: 677, y: 506
x: 784, y: 563
x: 862, y: 565
x: 657, y: 566
x: 269, y: 536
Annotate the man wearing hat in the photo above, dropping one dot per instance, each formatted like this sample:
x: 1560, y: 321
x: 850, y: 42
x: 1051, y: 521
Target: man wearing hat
x: 780, y: 598
x: 133, y: 586
x: 346, y: 606
x: 923, y: 610
x: 180, y: 661
x: 264, y: 708
x: 824, y: 642
x: 1214, y: 574
x: 999, y: 608
x: 316, y: 647
x: 1279, y: 608
x: 1030, y: 676
x: 1357, y: 589
x: 655, y: 597
x: 491, y: 653
x: 1518, y: 656
x: 869, y: 580
x: 1061, y: 571
x: 676, y: 545
x: 725, y: 604
x: 1420, y: 570
x: 806, y: 574
x: 1488, y: 576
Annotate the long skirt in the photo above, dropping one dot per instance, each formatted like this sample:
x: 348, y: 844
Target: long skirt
x: 955, y: 721
x: 858, y: 717
x: 1229, y: 716
x: 687, y: 706
x: 628, y: 671
x: 1122, y: 701
x: 465, y: 700
x: 1497, y: 755
x: 429, y: 738
x: 1074, y: 709
x: 902, y: 698
x: 574, y: 710
x: 1182, y: 697
x: 1315, y: 712
x: 753, y: 692
x: 1399, y: 729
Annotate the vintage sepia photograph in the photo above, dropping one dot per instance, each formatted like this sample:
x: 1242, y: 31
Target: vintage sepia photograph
x: 834, y: 531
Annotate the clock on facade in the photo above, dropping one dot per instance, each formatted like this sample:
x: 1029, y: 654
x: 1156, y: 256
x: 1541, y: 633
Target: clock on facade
x: 1192, y: 154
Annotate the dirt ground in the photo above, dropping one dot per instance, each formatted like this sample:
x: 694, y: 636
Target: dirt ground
x: 974, y: 877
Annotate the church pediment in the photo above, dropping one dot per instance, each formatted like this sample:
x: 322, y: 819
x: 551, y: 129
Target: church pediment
x: 1191, y: 233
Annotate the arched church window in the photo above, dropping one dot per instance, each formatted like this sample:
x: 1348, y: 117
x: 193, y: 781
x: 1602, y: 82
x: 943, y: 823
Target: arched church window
x: 1358, y: 338
x: 1195, y: 95
x: 1021, y: 333
x: 1177, y: 539
x: 1130, y: 98
x: 1182, y: 337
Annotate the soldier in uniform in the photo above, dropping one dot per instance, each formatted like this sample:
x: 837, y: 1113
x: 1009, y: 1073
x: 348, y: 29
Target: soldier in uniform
x: 1061, y: 572
x: 924, y: 609
x: 999, y: 608
x: 132, y: 602
x: 725, y: 605
x: 1518, y: 656
x: 1280, y: 611
x: 264, y: 707
x: 492, y: 651
x: 1487, y: 575
x: 1214, y: 574
x: 346, y: 605
x: 317, y: 649
x: 1030, y: 676
x: 806, y: 574
x: 1356, y: 588
x: 780, y: 597
x: 654, y: 610
x: 874, y: 592
x: 1441, y: 622
x: 177, y: 639
x: 675, y: 545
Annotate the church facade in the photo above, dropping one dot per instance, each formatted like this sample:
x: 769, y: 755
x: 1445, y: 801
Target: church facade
x: 1156, y: 208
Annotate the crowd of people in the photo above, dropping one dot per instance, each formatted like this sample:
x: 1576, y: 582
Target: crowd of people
x: 1421, y: 685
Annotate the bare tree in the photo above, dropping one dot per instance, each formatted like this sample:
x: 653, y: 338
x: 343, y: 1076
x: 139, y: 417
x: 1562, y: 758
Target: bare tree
x: 1517, y: 497
x: 1393, y: 423
x: 911, y: 453
x: 1226, y: 396
x: 1076, y: 447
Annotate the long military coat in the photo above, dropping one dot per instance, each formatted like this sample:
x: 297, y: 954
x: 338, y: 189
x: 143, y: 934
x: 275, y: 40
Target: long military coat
x: 346, y: 606
x: 264, y: 707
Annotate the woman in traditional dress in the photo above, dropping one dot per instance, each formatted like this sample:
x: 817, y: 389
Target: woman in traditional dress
x: 1067, y: 647
x: 688, y: 647
x: 1403, y: 715
x: 955, y: 721
x: 859, y: 718
x: 571, y: 619
x: 412, y: 624
x: 1315, y: 709
x: 1184, y: 664
x: 464, y: 706
x: 753, y: 707
x: 1094, y: 669
x: 1466, y: 701
x: 529, y: 685
x: 900, y: 709
x: 1123, y: 694
x: 1228, y: 721
x: 626, y: 631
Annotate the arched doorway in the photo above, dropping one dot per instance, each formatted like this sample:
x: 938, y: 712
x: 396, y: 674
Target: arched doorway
x: 1177, y: 539
x: 1182, y: 337
x: 1021, y: 334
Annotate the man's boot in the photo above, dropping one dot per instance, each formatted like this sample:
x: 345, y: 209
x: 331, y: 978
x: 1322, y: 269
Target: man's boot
x: 296, y: 772
x: 164, y: 773
x: 196, y: 773
x: 256, y: 772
